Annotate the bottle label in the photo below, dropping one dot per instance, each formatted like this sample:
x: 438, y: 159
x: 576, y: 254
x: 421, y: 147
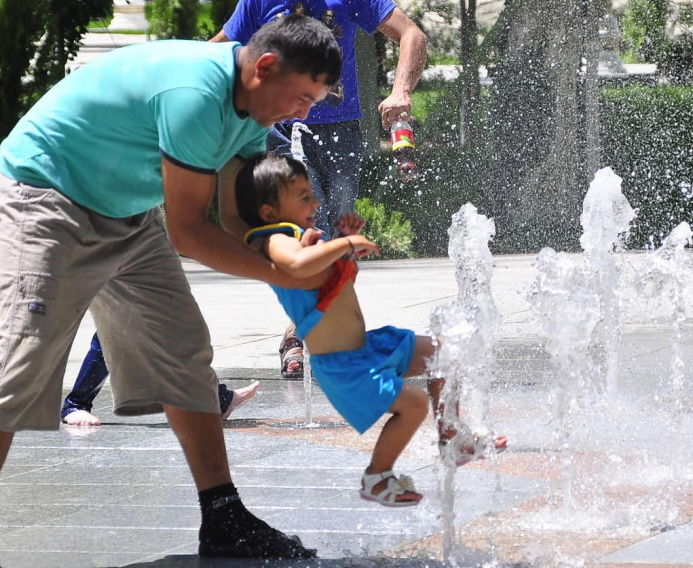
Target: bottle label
x: 403, y: 138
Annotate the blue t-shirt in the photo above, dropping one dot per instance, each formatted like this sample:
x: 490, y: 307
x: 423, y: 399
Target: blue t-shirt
x: 250, y: 15
x: 99, y: 134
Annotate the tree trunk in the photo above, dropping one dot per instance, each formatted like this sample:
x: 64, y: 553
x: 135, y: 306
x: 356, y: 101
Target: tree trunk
x: 543, y: 142
x: 470, y: 89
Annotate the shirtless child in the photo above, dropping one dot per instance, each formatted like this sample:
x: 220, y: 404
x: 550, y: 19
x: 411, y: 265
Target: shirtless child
x: 361, y: 373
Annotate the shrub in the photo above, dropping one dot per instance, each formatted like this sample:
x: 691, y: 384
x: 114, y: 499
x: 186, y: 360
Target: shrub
x: 391, y: 232
x: 676, y: 61
x: 221, y: 11
x: 646, y: 137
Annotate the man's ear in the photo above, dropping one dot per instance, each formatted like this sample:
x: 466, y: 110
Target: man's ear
x: 268, y: 213
x: 265, y: 65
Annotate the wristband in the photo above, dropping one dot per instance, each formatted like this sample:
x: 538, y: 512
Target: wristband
x: 353, y: 250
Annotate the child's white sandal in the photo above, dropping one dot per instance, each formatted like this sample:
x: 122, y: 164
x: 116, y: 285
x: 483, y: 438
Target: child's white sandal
x: 388, y: 496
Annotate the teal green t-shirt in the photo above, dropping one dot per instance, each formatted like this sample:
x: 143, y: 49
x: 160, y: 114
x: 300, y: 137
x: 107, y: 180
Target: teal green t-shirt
x: 98, y: 136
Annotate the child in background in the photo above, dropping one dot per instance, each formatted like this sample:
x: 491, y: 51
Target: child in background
x: 360, y: 372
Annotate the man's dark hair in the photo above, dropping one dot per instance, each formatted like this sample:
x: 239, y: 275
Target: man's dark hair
x: 302, y: 45
x: 259, y: 181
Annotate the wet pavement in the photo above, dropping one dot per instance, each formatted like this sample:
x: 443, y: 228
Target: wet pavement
x: 120, y: 495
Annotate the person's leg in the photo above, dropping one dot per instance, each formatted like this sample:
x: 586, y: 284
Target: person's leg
x: 92, y: 375
x: 202, y: 439
x: 291, y: 354
x: 45, y: 289
x: 408, y: 413
x: 230, y: 400
x: 336, y: 157
x: 227, y: 528
x: 424, y: 350
x: 5, y: 443
x: 159, y: 352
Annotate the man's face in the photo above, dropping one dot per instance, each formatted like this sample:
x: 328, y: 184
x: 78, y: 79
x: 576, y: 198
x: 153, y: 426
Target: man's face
x: 328, y: 18
x: 285, y: 96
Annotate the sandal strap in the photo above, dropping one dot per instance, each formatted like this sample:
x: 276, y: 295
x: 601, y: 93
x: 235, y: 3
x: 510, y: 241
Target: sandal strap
x: 395, y: 487
x: 294, y: 352
x: 290, y: 342
x: 370, y: 480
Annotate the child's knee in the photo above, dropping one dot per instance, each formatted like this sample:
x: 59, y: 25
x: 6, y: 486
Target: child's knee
x: 418, y: 403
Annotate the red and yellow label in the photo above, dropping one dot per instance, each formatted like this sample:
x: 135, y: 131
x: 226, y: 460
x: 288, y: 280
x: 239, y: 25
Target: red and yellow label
x: 402, y: 139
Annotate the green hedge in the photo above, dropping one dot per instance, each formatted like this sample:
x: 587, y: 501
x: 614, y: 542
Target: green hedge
x: 647, y: 138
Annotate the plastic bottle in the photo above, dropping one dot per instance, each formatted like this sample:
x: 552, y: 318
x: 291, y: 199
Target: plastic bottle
x: 403, y: 146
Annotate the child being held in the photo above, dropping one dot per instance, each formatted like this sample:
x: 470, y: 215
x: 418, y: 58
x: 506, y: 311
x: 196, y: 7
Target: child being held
x: 361, y: 373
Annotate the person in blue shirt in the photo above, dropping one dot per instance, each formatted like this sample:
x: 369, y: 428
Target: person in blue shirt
x: 334, y: 146
x: 76, y: 410
x: 82, y: 176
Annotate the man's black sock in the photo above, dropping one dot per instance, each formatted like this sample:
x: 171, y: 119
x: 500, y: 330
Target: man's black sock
x: 221, y: 503
x: 229, y: 529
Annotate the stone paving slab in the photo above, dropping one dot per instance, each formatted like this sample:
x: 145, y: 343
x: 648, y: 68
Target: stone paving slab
x: 671, y: 547
x: 120, y: 494
x: 129, y: 500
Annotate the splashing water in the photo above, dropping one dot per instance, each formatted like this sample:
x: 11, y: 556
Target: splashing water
x: 307, y: 387
x: 662, y: 283
x: 297, y: 152
x: 297, y: 130
x: 578, y: 304
x: 621, y: 451
x: 466, y: 329
x: 567, y: 310
x: 606, y: 217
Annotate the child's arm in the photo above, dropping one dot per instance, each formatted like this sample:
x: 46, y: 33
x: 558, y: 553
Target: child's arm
x: 303, y: 261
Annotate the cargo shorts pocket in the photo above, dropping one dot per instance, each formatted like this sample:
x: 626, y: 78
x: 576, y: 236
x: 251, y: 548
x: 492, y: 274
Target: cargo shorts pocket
x: 35, y: 305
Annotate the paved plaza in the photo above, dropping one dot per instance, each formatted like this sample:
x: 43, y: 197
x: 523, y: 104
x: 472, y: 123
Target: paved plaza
x: 120, y: 495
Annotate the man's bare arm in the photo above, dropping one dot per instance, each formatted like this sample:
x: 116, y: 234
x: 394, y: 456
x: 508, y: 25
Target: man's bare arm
x: 188, y: 195
x: 219, y: 38
x: 228, y: 212
x: 410, y: 65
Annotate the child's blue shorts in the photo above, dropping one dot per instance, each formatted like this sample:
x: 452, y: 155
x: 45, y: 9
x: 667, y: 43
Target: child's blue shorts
x: 363, y: 384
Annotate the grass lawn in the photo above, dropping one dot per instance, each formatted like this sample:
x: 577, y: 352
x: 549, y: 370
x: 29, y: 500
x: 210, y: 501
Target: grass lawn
x: 102, y: 23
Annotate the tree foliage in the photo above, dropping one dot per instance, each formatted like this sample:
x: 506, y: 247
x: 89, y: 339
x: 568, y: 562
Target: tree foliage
x: 644, y: 27
x: 221, y: 11
x: 37, y: 39
x: 179, y: 18
x: 660, y: 31
x: 174, y: 19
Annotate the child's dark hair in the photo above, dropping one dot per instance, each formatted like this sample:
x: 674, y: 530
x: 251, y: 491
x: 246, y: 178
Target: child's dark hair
x: 259, y: 181
x: 302, y: 45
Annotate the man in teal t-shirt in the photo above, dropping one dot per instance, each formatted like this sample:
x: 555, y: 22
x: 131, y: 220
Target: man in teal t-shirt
x: 81, y: 178
x: 99, y: 135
